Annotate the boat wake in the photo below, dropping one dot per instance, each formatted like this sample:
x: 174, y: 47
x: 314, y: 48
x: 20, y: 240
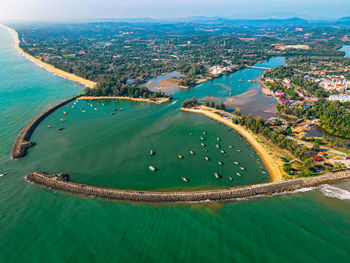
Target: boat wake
x: 335, y: 192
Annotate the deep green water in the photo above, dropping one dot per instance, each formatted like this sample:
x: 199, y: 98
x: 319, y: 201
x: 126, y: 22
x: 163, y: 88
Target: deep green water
x: 40, y: 225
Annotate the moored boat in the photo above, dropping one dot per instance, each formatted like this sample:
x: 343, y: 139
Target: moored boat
x: 192, y: 152
x: 152, y: 152
x: 62, y: 120
x: 112, y: 113
x: 61, y: 129
x: 65, y: 113
x: 220, y: 163
x: 217, y: 146
x: 153, y: 169
x: 207, y: 158
x: 185, y: 179
x: 48, y: 126
x: 218, y: 139
x: 242, y: 168
x: 203, y: 144
x: 236, y: 162
x: 222, y: 151
x: 180, y: 156
x: 230, y: 146
x: 217, y: 175
x: 230, y: 178
x: 238, y: 174
x: 96, y: 109
x: 202, y: 138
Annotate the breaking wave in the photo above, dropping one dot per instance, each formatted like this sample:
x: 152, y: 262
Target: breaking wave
x: 335, y: 192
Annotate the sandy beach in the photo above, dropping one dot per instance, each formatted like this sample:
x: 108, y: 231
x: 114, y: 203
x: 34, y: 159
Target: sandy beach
x: 157, y: 101
x: 60, y: 72
x: 270, y: 163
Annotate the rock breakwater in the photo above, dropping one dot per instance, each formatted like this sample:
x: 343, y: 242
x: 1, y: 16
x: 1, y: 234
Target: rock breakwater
x: 61, y: 182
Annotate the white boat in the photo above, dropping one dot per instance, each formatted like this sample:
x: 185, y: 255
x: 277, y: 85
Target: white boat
x: 83, y: 111
x: 238, y: 174
x: 48, y: 126
x: 2, y: 174
x: 236, y: 162
x: 230, y: 178
x: 185, y: 179
x: 207, y: 158
x: 217, y: 175
x: 230, y: 146
x: 217, y: 146
x: 220, y: 163
x: 242, y: 168
x: 203, y: 144
x: 205, y: 133
x: 202, y: 138
x: 222, y: 151
x: 153, y: 169
x: 218, y: 139
x: 192, y: 152
x: 96, y: 109
x: 151, y: 152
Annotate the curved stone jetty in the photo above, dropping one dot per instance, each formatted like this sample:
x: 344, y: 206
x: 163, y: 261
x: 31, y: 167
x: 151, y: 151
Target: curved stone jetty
x: 61, y: 182
x: 23, y: 143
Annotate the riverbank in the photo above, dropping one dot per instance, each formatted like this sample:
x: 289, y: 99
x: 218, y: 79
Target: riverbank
x: 273, y: 166
x: 156, y: 101
x: 57, y: 71
x: 62, y: 182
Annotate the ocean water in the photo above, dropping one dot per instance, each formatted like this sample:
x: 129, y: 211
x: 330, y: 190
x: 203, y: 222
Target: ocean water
x: 41, y: 225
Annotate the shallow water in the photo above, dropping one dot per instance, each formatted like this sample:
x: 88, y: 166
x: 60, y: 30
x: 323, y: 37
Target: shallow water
x: 41, y: 225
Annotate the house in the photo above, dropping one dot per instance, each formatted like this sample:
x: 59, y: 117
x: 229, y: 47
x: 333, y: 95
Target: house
x: 279, y: 93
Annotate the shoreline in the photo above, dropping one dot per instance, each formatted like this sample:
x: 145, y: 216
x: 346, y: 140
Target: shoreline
x: 47, y: 66
x: 273, y: 169
x: 157, y: 101
x: 61, y: 182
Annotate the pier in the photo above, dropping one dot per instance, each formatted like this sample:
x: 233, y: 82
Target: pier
x: 255, y: 67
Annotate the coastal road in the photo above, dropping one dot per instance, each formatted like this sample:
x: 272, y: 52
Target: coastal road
x: 300, y: 142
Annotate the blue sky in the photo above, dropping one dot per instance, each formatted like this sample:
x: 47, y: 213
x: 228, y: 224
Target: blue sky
x: 87, y: 9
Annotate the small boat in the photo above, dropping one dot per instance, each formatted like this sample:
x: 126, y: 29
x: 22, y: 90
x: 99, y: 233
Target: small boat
x: 103, y: 104
x: 207, y: 158
x: 91, y: 105
x: 48, y: 126
x: 2, y: 174
x: 83, y: 111
x: 180, y: 156
x: 202, y: 139
x: 217, y: 175
x: 220, y: 163
x: 230, y: 178
x: 218, y: 139
x: 152, y: 153
x: 121, y: 109
x: 112, y: 113
x: 222, y: 151
x: 62, y: 120
x: 61, y: 129
x: 115, y: 109
x: 238, y: 150
x: 185, y: 179
x: 73, y: 107
x: 153, y: 169
x: 264, y: 172
x: 192, y: 152
x: 206, y: 150
x: 203, y: 144
x: 217, y: 146
x: 96, y: 109
x: 65, y: 113
x: 238, y: 174
x: 230, y: 146
x: 205, y: 133
x: 190, y: 133
x: 242, y: 168
x: 236, y: 162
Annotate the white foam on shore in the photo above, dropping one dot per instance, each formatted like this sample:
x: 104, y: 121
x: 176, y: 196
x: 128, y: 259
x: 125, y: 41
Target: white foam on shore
x: 335, y: 192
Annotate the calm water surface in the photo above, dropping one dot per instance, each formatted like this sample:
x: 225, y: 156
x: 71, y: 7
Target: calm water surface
x: 40, y: 225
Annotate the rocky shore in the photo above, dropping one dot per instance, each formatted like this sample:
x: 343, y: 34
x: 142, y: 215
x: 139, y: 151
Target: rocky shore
x: 22, y: 142
x: 62, y: 182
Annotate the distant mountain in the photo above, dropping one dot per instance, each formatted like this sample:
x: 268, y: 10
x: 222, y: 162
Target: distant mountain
x: 293, y: 21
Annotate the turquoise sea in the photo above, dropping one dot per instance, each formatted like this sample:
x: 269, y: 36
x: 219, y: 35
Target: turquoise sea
x: 41, y: 225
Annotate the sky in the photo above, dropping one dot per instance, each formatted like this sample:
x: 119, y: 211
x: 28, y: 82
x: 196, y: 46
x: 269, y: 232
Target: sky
x: 60, y: 10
